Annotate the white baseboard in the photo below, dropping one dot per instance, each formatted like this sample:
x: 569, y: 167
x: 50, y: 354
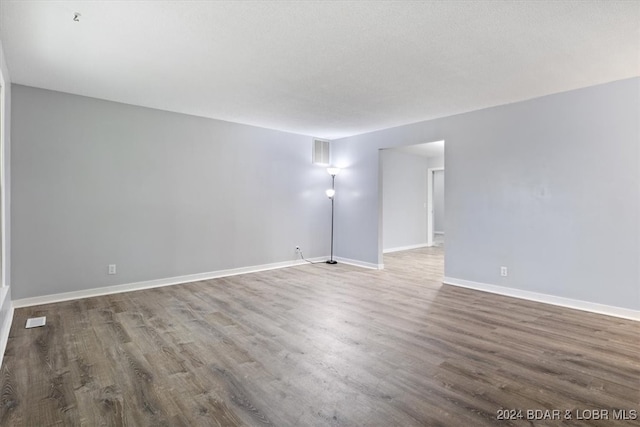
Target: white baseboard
x: 6, y: 321
x: 137, y: 286
x: 359, y: 263
x: 405, y: 248
x: 593, y: 307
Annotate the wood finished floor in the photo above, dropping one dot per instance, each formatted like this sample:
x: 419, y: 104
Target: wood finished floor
x: 316, y: 345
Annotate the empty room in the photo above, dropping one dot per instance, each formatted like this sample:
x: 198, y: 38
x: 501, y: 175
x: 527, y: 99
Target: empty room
x: 319, y: 213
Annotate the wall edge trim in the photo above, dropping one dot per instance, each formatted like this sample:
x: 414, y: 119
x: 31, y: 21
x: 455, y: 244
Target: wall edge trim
x: 357, y: 263
x: 156, y: 283
x: 608, y: 310
x: 6, y: 329
x: 405, y: 248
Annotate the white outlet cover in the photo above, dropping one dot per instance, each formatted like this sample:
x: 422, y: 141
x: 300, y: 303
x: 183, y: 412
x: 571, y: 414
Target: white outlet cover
x: 35, y: 322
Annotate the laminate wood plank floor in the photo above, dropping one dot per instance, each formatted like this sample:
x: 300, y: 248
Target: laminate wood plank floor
x: 318, y: 345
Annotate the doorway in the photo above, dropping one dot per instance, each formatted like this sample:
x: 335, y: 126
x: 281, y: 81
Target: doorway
x: 3, y: 249
x: 404, y: 203
x: 435, y: 206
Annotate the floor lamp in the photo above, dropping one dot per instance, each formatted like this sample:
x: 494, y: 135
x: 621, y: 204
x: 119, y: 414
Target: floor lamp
x: 331, y: 194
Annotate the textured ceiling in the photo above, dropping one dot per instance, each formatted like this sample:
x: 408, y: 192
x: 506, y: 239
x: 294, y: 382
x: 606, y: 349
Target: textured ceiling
x: 327, y: 69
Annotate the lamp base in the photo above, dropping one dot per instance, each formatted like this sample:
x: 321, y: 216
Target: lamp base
x: 332, y: 262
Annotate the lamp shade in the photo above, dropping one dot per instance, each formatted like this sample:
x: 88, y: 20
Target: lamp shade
x: 330, y: 193
x: 333, y: 171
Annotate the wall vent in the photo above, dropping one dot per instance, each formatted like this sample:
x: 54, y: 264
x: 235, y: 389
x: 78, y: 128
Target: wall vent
x: 35, y: 322
x: 320, y: 154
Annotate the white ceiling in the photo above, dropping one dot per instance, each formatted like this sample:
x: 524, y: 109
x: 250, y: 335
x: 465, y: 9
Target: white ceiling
x: 327, y: 69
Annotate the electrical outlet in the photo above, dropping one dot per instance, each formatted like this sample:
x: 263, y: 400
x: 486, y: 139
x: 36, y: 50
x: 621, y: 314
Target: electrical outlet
x: 112, y: 269
x: 504, y: 272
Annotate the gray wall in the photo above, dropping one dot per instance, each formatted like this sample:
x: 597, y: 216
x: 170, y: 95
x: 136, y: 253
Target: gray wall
x: 549, y: 187
x: 158, y: 194
x: 435, y: 162
x: 438, y: 201
x: 6, y: 169
x: 5, y: 292
x: 404, y: 196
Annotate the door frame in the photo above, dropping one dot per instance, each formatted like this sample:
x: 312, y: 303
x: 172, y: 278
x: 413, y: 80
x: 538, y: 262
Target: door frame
x: 430, y: 230
x: 3, y: 205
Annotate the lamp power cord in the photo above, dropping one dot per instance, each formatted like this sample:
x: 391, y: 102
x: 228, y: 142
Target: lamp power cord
x: 304, y: 259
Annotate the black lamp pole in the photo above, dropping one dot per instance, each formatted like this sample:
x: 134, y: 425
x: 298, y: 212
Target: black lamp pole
x: 333, y: 187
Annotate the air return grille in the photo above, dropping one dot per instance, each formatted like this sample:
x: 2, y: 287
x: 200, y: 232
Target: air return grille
x: 320, y: 154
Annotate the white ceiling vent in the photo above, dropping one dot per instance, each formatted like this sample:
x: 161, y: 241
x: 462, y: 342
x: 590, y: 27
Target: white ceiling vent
x: 320, y: 154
